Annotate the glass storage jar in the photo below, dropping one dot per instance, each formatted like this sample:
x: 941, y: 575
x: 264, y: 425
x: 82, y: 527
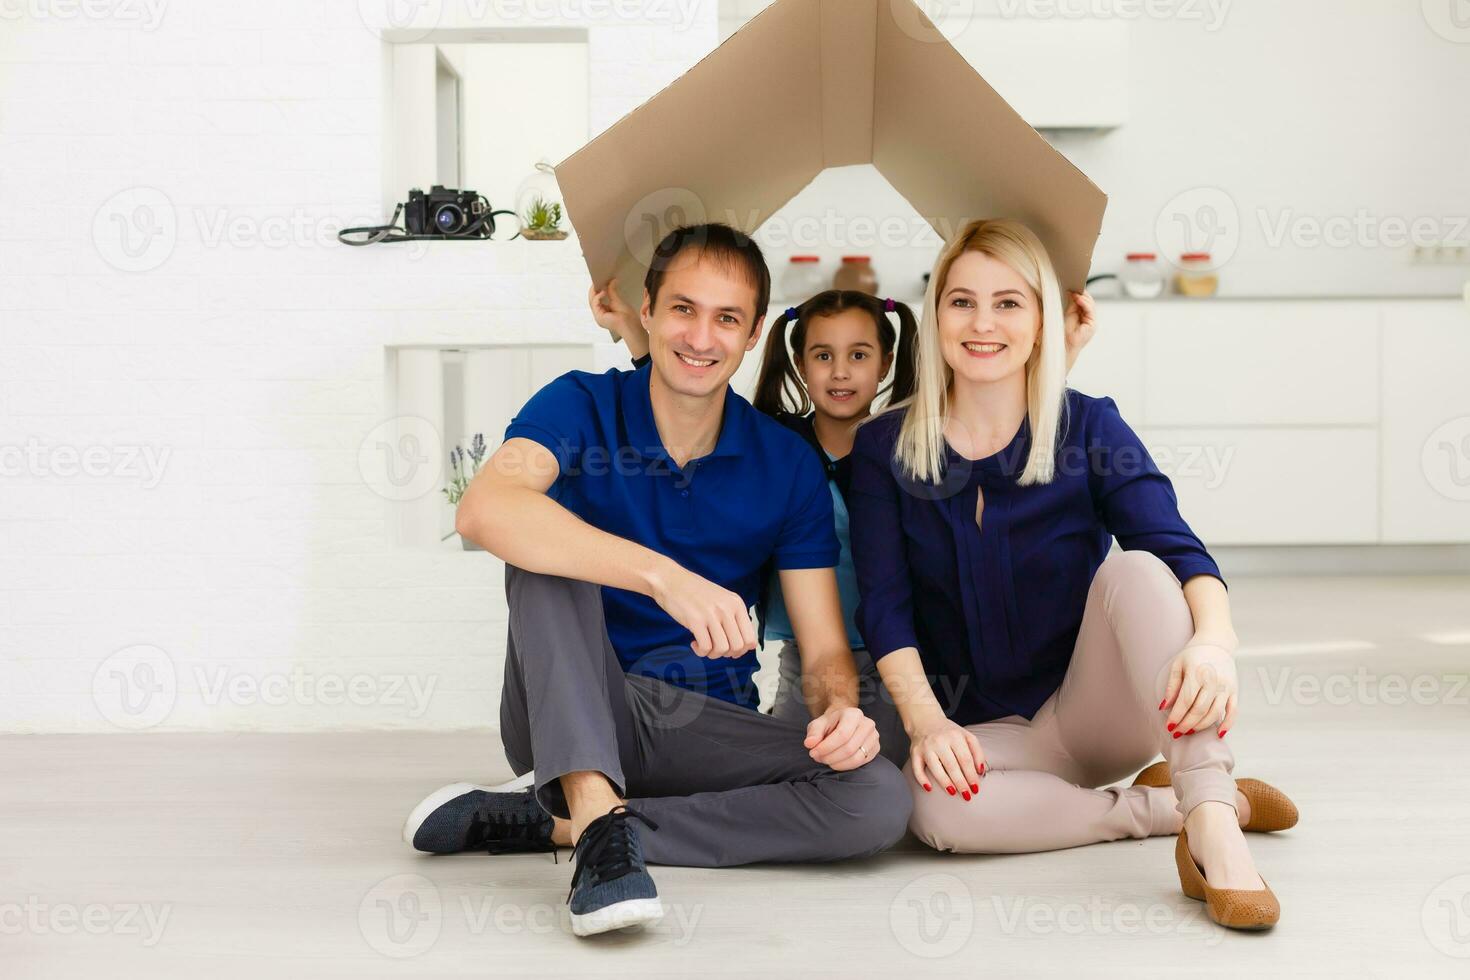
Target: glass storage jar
x: 1142, y: 278
x: 856, y: 272
x: 802, y: 279
x: 1196, y: 276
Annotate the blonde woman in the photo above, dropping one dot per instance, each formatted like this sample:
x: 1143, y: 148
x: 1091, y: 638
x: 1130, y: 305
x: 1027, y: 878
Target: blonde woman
x: 1028, y: 666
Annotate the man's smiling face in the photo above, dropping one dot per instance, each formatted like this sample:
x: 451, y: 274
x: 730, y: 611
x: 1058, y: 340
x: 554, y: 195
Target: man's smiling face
x: 701, y: 324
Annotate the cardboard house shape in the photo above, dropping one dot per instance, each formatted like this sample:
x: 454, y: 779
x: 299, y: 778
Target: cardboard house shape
x: 811, y: 84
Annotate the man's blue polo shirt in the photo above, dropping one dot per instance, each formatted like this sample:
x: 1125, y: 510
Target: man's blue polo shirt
x: 760, y: 496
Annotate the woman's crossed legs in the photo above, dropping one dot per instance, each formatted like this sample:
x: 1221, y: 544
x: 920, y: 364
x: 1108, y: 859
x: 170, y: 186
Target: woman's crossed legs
x: 1100, y: 726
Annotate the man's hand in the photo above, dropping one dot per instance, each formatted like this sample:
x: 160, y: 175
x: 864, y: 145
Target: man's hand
x: 842, y: 739
x: 718, y: 618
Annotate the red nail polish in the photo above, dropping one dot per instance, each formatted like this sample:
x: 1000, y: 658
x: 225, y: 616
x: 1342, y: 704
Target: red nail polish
x: 1177, y: 734
x: 966, y: 795
x: 1222, y: 733
x: 1171, y: 726
x: 1162, y: 703
x: 982, y: 768
x: 927, y: 789
x: 1190, y: 732
x: 974, y: 788
x: 951, y: 790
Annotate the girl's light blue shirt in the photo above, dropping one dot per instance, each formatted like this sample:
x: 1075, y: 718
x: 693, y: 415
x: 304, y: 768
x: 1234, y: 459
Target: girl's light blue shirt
x: 778, y: 623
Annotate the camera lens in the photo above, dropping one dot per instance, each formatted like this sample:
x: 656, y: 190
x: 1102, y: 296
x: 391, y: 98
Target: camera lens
x: 448, y: 218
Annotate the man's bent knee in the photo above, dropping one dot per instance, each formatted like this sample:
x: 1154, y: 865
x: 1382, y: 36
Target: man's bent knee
x: 878, y: 809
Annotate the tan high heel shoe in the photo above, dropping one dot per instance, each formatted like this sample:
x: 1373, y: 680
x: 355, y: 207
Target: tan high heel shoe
x: 1271, y: 809
x: 1233, y: 908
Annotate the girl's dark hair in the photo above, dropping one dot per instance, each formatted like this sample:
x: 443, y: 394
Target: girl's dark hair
x: 779, y: 388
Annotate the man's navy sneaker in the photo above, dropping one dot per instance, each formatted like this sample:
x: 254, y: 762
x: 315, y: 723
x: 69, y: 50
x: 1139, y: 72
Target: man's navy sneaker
x: 466, y: 817
x: 611, y: 888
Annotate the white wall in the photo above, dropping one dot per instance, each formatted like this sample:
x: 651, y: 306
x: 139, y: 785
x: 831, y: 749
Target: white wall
x: 523, y: 103
x: 248, y: 354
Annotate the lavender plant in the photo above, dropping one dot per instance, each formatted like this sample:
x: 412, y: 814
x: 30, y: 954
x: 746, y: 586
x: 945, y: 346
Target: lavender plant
x: 460, y: 480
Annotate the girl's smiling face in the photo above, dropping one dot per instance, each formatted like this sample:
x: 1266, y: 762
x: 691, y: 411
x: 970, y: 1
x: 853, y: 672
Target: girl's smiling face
x: 842, y: 363
x: 989, y: 318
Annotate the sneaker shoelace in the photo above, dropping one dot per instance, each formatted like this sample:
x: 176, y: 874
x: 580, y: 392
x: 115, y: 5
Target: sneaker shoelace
x: 507, y: 833
x: 606, y: 848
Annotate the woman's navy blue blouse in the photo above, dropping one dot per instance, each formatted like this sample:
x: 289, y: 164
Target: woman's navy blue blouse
x: 994, y: 607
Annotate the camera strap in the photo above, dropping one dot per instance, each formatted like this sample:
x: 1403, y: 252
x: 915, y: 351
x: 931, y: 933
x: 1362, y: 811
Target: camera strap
x: 473, y: 229
x: 377, y: 233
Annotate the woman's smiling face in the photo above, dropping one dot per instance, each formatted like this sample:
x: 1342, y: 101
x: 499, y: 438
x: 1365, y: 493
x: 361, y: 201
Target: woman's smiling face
x: 989, y: 319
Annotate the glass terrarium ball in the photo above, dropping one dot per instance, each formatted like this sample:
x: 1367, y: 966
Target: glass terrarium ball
x: 539, y: 205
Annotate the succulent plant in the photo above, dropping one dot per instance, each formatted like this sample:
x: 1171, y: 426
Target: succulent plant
x: 542, y: 218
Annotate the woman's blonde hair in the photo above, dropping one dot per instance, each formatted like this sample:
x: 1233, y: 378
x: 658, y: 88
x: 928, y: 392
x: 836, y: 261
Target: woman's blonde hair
x: 920, y: 447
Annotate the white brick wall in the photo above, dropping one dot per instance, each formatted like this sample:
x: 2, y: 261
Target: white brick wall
x: 249, y: 583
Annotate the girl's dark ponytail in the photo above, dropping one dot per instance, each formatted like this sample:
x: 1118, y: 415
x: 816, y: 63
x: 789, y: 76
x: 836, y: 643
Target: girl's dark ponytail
x: 778, y: 375
x: 905, y: 360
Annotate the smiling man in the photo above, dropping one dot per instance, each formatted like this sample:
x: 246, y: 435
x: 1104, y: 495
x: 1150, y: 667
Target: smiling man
x: 635, y: 512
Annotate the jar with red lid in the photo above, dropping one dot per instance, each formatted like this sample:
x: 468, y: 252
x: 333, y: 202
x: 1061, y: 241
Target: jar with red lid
x: 856, y: 272
x: 1142, y: 277
x: 1196, y: 276
x: 802, y: 279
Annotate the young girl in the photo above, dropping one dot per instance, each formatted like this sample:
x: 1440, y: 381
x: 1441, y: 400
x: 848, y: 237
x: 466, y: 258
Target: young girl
x: 1027, y: 665
x: 842, y: 346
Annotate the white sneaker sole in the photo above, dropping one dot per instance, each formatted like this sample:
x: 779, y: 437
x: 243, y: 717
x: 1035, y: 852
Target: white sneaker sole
x: 633, y: 912
x: 444, y: 794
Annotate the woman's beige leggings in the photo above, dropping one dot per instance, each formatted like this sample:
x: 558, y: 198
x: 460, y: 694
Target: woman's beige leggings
x: 1102, y: 725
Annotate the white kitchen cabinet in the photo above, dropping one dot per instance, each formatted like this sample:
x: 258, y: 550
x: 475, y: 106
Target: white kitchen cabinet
x: 1270, y: 363
x: 1056, y: 73
x: 1112, y: 364
x: 1273, y: 486
x: 1426, y: 423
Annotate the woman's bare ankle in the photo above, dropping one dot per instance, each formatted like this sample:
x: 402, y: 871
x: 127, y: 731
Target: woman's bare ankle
x: 1210, y: 817
x: 1218, y: 846
x: 1242, y: 808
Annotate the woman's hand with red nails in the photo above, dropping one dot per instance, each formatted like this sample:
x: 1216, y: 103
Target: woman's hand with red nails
x: 945, y: 754
x: 1203, y: 688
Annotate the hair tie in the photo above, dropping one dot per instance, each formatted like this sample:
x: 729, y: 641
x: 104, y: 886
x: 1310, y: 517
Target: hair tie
x: 791, y: 313
x: 889, y: 305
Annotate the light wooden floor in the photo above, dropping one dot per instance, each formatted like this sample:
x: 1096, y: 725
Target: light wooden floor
x: 278, y: 855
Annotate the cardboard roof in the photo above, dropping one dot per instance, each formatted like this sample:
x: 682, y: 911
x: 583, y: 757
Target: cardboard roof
x: 811, y: 84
